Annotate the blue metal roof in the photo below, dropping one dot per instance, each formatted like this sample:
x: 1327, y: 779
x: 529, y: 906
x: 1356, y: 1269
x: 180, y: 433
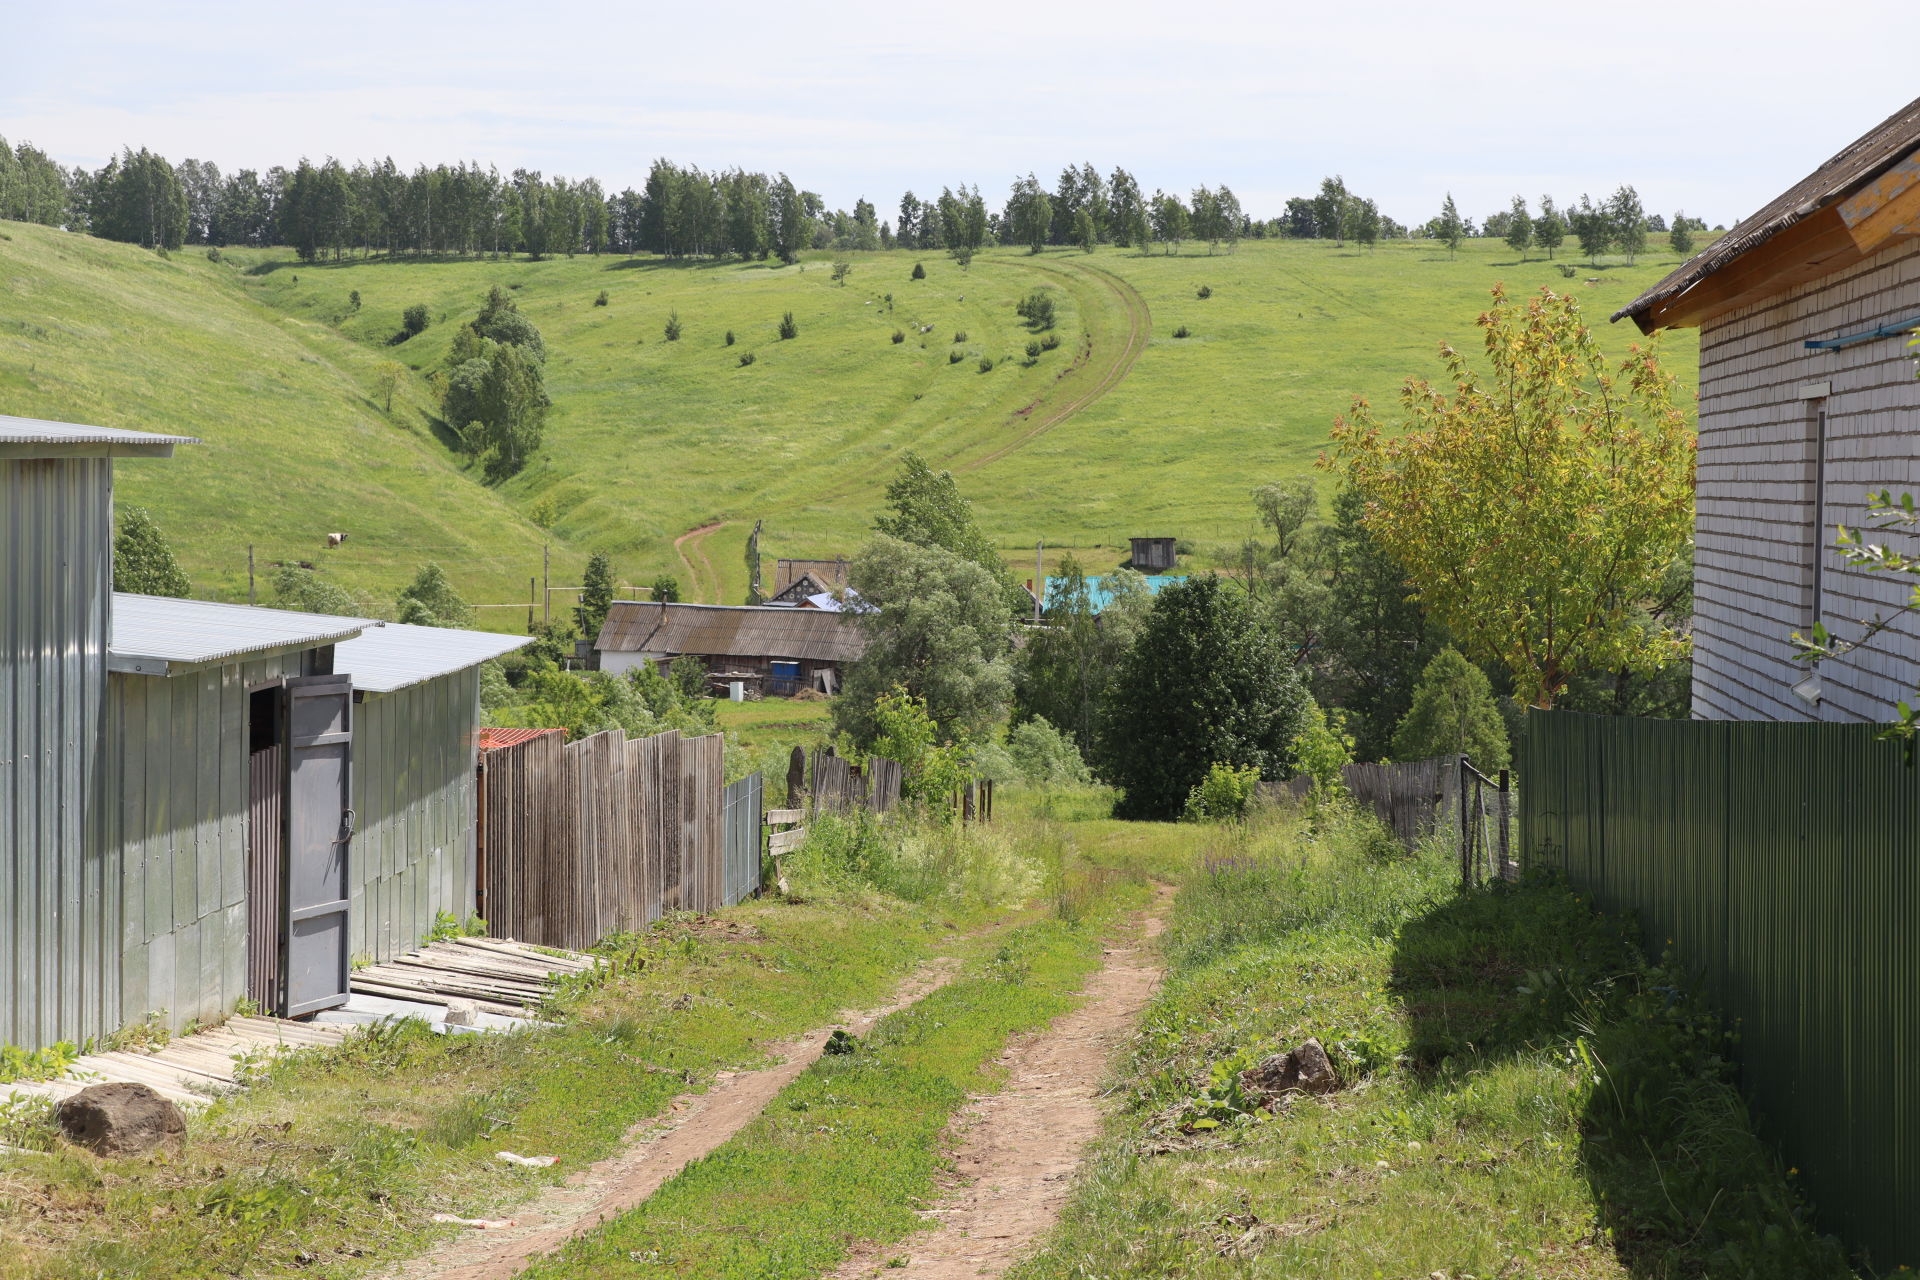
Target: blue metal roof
x: 1101, y: 595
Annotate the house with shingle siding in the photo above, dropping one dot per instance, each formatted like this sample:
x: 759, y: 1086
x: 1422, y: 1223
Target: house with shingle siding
x: 1808, y: 402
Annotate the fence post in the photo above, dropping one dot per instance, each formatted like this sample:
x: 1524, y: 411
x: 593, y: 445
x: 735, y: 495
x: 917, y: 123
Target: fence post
x: 1466, y: 828
x: 1506, y: 824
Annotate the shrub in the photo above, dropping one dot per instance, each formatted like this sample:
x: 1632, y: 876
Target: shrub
x: 1037, y: 307
x: 673, y: 326
x: 1223, y: 795
x: 1453, y: 712
x: 1567, y: 271
x: 1033, y: 349
x: 962, y: 255
x: 353, y: 299
x: 841, y: 270
x: 1049, y: 342
x: 666, y: 589
x: 414, y: 319
x: 959, y: 335
x: 919, y: 271
x: 746, y: 358
x: 213, y: 255
x: 1183, y: 332
x: 1206, y: 291
x: 788, y: 329
x: 1043, y: 754
x: 986, y: 364
x: 899, y: 336
x: 956, y: 356
x: 729, y: 337
x: 601, y: 300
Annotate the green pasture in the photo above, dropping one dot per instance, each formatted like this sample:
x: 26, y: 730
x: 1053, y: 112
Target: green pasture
x: 649, y: 439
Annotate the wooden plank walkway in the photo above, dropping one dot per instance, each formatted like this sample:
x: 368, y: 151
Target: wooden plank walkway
x: 498, y: 977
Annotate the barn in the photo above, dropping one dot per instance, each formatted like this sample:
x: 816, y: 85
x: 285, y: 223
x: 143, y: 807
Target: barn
x: 201, y: 802
x: 1807, y: 403
x: 771, y: 649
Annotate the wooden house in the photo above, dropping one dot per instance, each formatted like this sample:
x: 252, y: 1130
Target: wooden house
x: 202, y: 801
x: 771, y: 649
x: 1807, y: 403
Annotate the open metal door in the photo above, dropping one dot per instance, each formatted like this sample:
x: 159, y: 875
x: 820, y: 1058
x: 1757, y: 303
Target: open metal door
x: 320, y: 824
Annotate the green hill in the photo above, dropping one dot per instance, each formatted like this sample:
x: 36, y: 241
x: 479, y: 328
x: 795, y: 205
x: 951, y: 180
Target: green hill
x: 296, y: 446
x: 1122, y: 430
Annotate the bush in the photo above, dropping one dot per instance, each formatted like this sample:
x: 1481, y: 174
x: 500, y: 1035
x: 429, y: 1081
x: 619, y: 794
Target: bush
x: 959, y: 336
x: 899, y: 336
x: 962, y: 255
x: 1453, y: 713
x: 601, y: 300
x: 1033, y: 349
x: 956, y: 356
x: 1183, y: 332
x: 1044, y: 755
x: 1223, y: 795
x: 666, y: 589
x: 353, y: 299
x: 1049, y: 342
x: 213, y: 255
x: 414, y: 319
x: 919, y: 271
x: 673, y: 326
x: 986, y: 364
x: 788, y: 329
x: 1206, y: 291
x: 746, y: 358
x: 729, y: 337
x: 841, y: 270
x: 1566, y: 271
x: 1037, y: 307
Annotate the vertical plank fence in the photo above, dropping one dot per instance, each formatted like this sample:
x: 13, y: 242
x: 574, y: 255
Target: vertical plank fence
x: 588, y: 838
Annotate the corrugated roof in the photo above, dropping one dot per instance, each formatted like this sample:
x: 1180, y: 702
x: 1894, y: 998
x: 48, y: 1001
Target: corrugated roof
x: 1100, y: 594
x: 731, y: 631
x: 153, y: 634
x: 32, y: 432
x: 393, y: 655
x: 1862, y: 160
x: 492, y: 738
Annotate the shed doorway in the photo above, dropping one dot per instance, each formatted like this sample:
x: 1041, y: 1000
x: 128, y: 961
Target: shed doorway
x: 300, y: 826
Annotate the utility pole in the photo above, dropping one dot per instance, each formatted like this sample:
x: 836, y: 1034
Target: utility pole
x: 249, y: 573
x: 1039, y: 580
x: 530, y: 600
x: 546, y: 566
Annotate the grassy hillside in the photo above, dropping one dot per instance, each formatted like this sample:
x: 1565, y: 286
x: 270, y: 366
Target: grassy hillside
x: 295, y: 444
x: 665, y: 453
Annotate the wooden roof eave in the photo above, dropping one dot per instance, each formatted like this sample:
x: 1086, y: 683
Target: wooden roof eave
x: 1813, y: 247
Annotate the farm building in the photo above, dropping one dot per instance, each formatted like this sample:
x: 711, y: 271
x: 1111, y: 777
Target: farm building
x: 771, y: 649
x: 826, y: 575
x: 1807, y: 403
x: 201, y: 801
x: 1153, y: 555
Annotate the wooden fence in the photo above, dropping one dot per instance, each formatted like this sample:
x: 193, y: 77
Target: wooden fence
x: 1412, y: 797
x: 583, y: 839
x: 838, y: 786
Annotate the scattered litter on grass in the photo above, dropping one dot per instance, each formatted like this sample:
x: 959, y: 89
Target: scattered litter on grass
x: 531, y: 1162
x: 483, y: 1224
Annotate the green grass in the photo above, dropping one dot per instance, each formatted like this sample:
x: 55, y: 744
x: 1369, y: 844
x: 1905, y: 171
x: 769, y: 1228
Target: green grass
x: 336, y: 1161
x: 854, y: 1147
x: 650, y: 439
x: 295, y: 445
x: 1524, y: 1096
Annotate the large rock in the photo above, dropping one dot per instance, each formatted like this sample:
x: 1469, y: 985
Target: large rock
x: 1302, y: 1070
x: 121, y: 1119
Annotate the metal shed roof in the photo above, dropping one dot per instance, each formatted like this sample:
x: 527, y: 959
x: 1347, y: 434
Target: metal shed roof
x: 33, y: 438
x: 394, y: 655
x: 731, y: 631
x: 157, y: 635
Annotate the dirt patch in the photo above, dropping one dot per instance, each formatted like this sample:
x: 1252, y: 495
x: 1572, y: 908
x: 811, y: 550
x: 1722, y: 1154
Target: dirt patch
x: 693, y: 1126
x: 1017, y: 1149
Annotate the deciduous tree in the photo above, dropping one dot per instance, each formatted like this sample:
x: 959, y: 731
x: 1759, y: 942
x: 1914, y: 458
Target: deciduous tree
x: 1535, y: 510
x: 1519, y: 228
x: 1453, y: 713
x: 143, y: 563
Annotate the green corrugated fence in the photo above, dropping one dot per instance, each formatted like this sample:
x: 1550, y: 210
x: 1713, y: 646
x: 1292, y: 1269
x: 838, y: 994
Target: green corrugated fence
x: 1781, y: 864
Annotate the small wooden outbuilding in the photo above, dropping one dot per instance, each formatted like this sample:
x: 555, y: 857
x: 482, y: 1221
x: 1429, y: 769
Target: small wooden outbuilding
x: 1153, y: 555
x: 783, y: 650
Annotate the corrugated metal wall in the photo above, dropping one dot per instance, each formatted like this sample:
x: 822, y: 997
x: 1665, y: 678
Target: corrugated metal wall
x: 176, y: 840
x: 56, y: 520
x: 1780, y: 862
x: 413, y: 797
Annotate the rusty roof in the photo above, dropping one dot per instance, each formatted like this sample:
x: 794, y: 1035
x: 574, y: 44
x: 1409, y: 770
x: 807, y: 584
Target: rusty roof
x: 491, y: 738
x: 730, y: 631
x: 830, y: 574
x: 1858, y: 163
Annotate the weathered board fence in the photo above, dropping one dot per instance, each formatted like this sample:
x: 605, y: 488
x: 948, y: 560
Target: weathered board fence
x: 1413, y: 798
x: 1780, y: 863
x: 583, y: 839
x: 836, y: 785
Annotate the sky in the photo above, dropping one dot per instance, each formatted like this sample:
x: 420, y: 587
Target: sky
x: 1709, y: 107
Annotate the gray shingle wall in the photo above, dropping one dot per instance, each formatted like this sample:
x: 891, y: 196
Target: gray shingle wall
x: 1754, y: 518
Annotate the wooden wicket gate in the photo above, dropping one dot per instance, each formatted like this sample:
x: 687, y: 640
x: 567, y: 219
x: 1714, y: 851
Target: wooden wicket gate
x: 588, y: 838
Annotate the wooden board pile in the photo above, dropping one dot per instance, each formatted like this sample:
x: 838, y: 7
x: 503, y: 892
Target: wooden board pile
x: 190, y: 1070
x: 495, y: 976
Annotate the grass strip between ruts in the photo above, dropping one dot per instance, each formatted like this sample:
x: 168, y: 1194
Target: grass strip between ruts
x: 851, y: 1150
